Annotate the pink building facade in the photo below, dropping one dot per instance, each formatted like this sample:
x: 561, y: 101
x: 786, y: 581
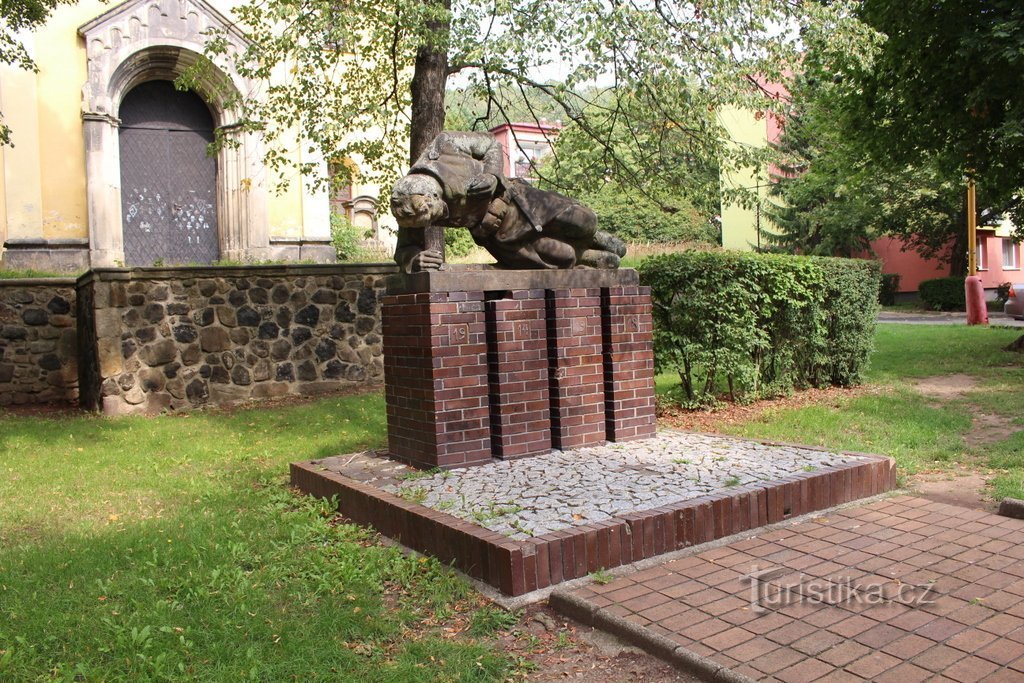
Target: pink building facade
x: 999, y: 260
x: 524, y: 144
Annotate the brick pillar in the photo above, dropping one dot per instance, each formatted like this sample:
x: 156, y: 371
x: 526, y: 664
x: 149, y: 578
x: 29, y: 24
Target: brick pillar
x: 518, y: 375
x: 628, y: 362
x: 435, y: 366
x: 576, y: 370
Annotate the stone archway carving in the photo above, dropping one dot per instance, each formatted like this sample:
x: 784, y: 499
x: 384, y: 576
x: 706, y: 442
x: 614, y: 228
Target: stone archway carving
x: 143, y: 40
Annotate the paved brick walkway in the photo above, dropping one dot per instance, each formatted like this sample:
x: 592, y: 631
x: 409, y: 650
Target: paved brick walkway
x: 903, y: 590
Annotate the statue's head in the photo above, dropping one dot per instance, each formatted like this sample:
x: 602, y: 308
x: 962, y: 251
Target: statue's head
x: 416, y: 201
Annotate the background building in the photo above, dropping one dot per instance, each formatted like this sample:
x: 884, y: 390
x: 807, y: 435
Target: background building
x: 109, y: 165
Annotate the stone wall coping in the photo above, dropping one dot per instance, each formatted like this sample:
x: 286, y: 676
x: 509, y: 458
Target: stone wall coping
x: 39, y: 282
x: 45, y: 242
x: 477, y: 278
x: 187, y: 272
x: 301, y: 240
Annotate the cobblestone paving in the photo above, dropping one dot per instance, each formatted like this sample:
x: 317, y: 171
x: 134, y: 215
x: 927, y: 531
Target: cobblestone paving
x: 899, y: 590
x: 546, y: 493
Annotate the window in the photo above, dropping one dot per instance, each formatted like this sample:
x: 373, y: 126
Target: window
x: 340, y: 190
x: 1010, y: 257
x: 981, y: 258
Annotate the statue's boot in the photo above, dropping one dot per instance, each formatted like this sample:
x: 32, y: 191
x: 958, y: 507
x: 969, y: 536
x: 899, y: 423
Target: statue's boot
x: 609, y: 242
x: 596, y: 258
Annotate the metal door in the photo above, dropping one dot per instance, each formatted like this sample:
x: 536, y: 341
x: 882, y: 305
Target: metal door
x: 168, y: 183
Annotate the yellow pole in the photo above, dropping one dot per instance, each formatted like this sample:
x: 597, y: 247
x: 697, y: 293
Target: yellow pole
x: 972, y: 230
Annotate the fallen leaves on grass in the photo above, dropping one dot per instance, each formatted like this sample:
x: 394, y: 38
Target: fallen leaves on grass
x: 711, y: 421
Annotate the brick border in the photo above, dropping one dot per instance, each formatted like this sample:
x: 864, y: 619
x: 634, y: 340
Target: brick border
x: 519, y: 567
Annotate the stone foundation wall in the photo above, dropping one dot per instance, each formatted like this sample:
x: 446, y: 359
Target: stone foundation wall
x: 170, y: 339
x: 38, y: 345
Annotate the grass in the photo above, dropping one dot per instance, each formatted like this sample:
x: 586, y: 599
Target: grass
x: 894, y: 419
x: 170, y: 548
x: 29, y: 274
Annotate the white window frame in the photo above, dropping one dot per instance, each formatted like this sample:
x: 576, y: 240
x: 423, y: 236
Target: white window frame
x: 980, y: 255
x: 1013, y: 262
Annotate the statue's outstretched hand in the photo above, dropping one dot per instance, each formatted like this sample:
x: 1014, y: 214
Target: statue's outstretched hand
x: 426, y: 260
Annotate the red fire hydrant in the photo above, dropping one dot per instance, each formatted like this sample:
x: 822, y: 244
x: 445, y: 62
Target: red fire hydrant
x: 974, y: 292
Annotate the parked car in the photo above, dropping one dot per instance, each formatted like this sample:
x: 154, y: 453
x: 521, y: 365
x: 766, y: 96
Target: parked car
x: 1014, y: 305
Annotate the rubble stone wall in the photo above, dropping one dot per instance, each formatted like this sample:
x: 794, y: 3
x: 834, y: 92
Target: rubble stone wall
x: 160, y: 339
x: 38, y: 345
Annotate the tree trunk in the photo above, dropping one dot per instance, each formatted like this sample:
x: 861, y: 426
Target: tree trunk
x: 958, y: 249
x: 428, y: 84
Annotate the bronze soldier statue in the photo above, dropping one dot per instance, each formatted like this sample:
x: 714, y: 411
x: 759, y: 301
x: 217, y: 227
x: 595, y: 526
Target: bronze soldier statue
x: 458, y: 182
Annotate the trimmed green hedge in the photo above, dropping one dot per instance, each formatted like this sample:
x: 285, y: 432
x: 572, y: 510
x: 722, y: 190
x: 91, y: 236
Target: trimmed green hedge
x: 759, y: 325
x: 943, y: 294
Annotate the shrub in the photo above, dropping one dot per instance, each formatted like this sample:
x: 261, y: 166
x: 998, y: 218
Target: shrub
x: 1002, y: 293
x: 642, y: 220
x: 943, y: 294
x: 890, y: 286
x: 761, y: 324
x: 346, y: 238
x: 458, y: 242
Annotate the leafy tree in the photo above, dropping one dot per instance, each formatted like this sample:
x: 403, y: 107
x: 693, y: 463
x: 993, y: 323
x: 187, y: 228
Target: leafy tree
x: 332, y: 71
x: 944, y: 88
x: 17, y: 17
x: 848, y: 174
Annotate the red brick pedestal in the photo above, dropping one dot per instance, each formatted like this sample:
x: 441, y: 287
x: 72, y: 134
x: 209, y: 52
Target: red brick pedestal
x: 484, y: 363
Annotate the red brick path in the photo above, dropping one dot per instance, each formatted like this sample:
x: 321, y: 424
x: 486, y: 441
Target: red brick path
x: 899, y: 590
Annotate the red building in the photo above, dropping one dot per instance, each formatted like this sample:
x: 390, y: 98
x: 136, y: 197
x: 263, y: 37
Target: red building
x: 524, y: 145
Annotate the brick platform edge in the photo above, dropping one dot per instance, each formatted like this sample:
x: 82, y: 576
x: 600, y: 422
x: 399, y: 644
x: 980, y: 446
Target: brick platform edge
x: 519, y: 567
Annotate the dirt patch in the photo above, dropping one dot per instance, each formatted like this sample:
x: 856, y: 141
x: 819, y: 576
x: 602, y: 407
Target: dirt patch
x: 44, y: 410
x: 987, y: 428
x: 560, y: 649
x: 946, y: 387
x: 967, y: 483
x: 712, y: 421
x: 963, y: 486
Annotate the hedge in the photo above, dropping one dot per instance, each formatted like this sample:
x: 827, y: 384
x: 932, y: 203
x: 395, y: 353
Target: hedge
x: 943, y: 294
x: 759, y: 325
x: 890, y: 287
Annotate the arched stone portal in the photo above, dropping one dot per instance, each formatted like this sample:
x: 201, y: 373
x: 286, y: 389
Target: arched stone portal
x: 143, y: 41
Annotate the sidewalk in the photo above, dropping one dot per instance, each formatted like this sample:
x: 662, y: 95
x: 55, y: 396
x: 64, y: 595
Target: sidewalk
x: 902, y: 589
x: 939, y: 318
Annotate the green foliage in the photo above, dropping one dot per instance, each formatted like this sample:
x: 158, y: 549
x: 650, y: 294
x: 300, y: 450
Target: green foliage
x: 31, y: 274
x: 890, y: 287
x: 347, y: 239
x: 763, y: 324
x: 832, y: 198
x: 943, y: 294
x: 638, y: 219
x: 490, y: 619
x: 947, y: 82
x: 934, y: 97
x: 674, y: 65
x: 458, y: 242
x: 1002, y: 293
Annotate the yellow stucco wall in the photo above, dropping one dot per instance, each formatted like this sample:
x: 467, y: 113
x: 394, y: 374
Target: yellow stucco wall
x: 740, y: 223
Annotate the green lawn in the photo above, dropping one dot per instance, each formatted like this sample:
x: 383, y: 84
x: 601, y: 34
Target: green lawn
x: 170, y: 548
x: 920, y: 433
